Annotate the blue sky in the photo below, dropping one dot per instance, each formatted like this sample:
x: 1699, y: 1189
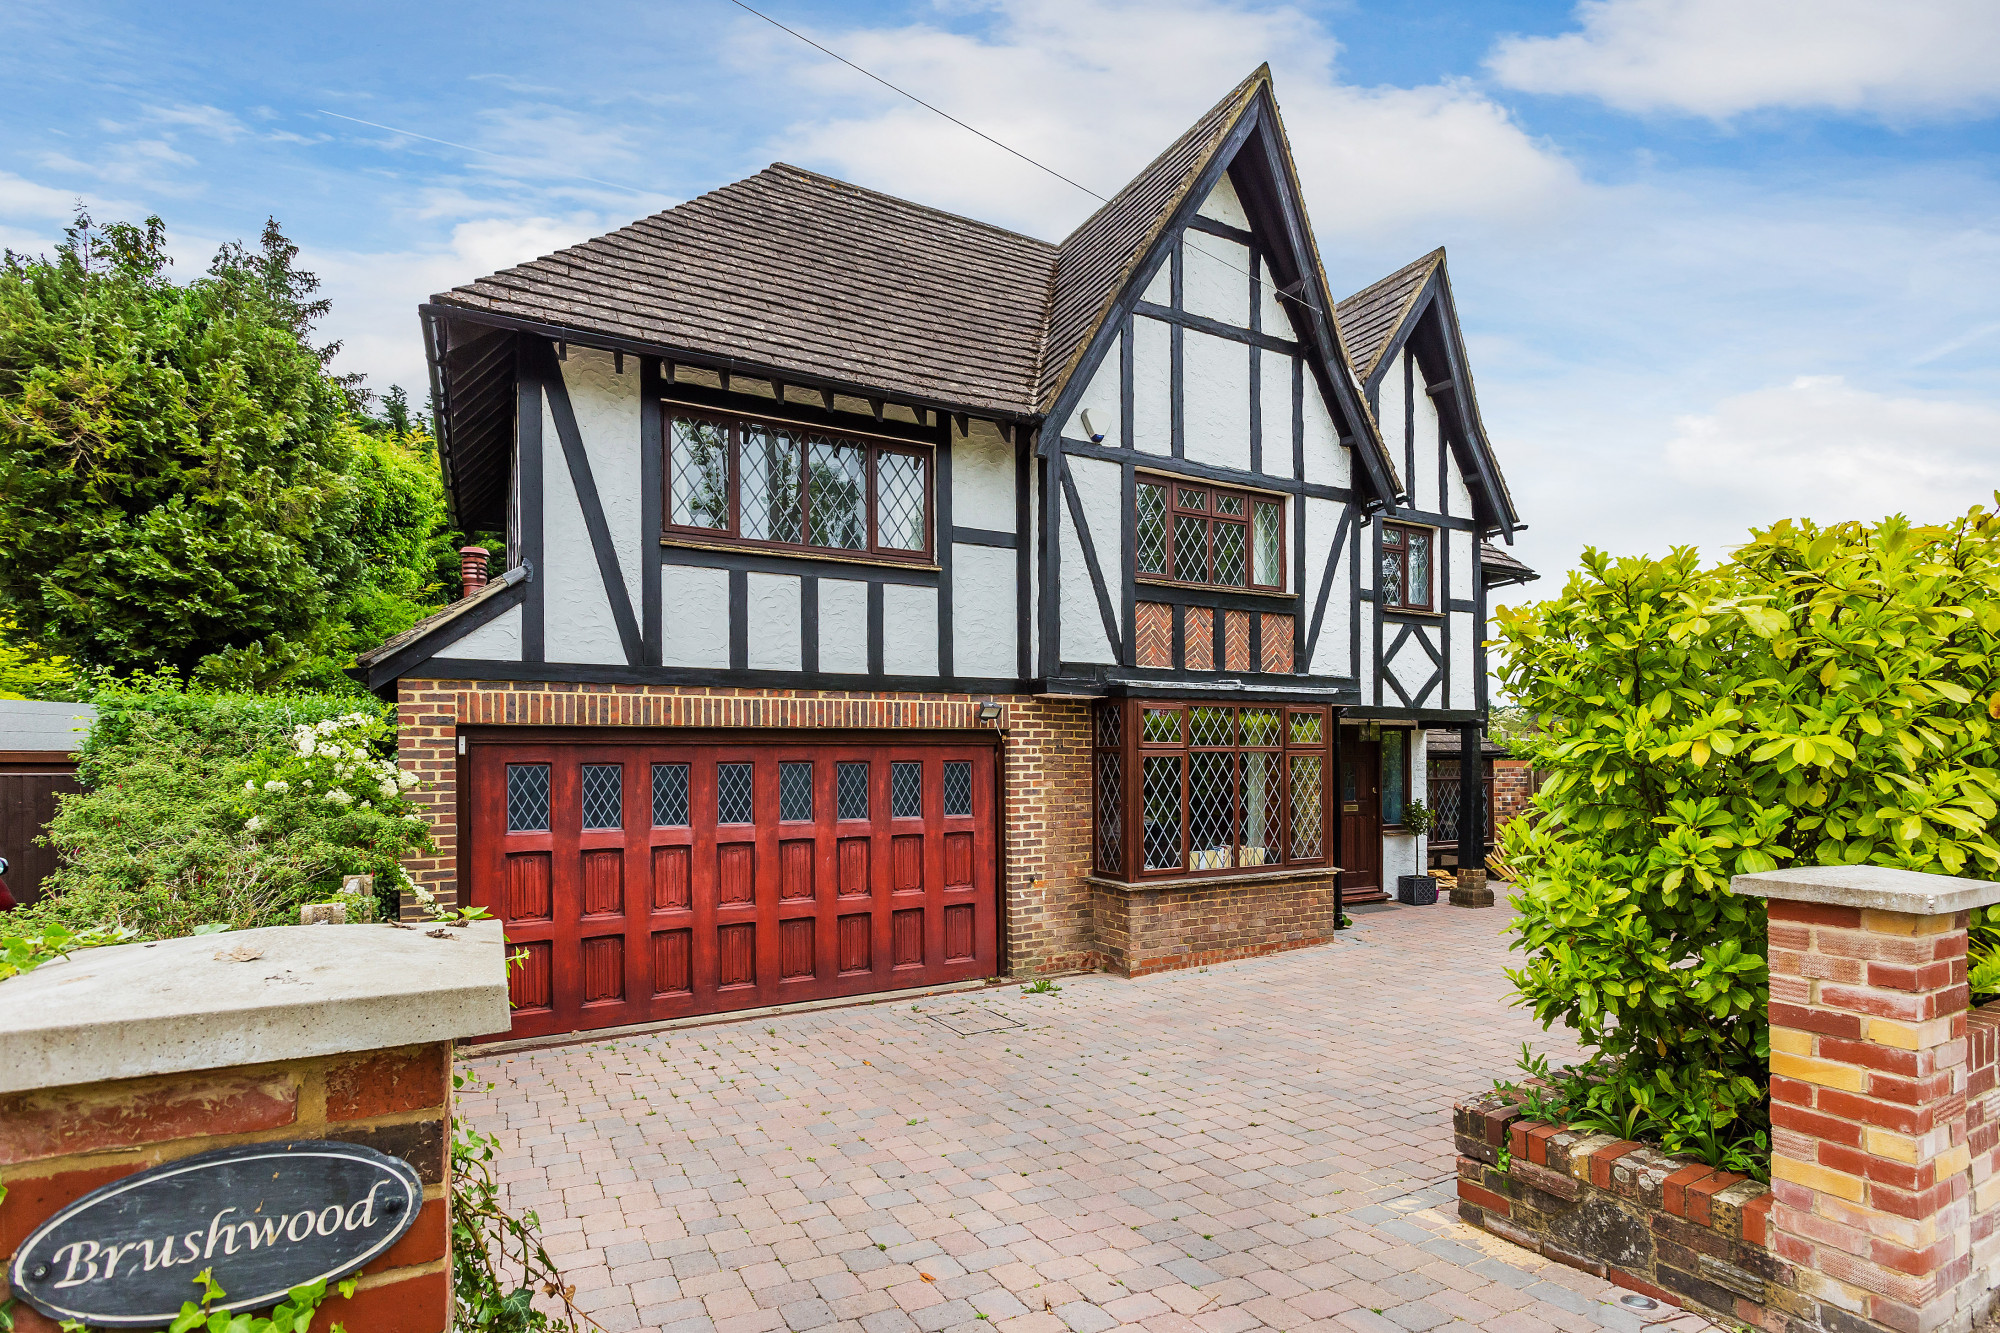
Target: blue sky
x: 1720, y: 261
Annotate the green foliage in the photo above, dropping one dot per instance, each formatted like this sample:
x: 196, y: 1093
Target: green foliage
x: 27, y: 672
x: 293, y: 1315
x: 498, y: 1262
x: 24, y: 951
x: 182, y: 484
x: 1418, y: 818
x: 205, y: 808
x: 1824, y: 696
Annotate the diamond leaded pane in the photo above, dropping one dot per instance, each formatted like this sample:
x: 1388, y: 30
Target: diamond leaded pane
x: 1161, y: 725
x: 1258, y: 803
x: 1231, y: 505
x: 795, y: 789
x: 1307, y: 728
x: 899, y: 501
x: 1260, y: 726
x: 603, y: 796
x: 1392, y: 578
x: 1270, y: 545
x: 670, y: 795
x: 1229, y: 554
x: 906, y: 789
x: 1306, y: 820
x: 1420, y: 568
x: 1161, y: 798
x: 837, y: 487
x: 769, y: 484
x: 1190, y: 548
x: 698, y: 474
x: 527, y: 798
x: 1211, y: 805
x: 958, y: 786
x: 1191, y: 499
x: 1110, y: 725
x: 1152, y: 529
x: 852, y: 780
x: 732, y: 794
x: 1211, y: 726
x: 1110, y: 813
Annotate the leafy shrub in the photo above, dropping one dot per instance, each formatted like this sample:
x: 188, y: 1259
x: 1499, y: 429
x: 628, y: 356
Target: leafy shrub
x: 235, y: 809
x: 1824, y: 696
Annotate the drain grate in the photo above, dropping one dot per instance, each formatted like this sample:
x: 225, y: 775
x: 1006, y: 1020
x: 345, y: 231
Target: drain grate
x: 969, y: 1022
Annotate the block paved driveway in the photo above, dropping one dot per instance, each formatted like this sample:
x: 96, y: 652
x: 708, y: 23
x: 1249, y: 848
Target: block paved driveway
x: 1260, y: 1144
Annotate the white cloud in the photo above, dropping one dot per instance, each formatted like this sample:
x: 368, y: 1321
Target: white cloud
x: 1095, y: 88
x: 20, y: 197
x: 1720, y: 58
x: 1825, y: 449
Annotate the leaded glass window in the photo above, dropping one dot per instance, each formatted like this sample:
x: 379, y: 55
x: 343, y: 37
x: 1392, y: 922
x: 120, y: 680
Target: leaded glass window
x: 1209, y: 535
x: 527, y: 798
x: 900, y: 501
x: 733, y: 794
x: 836, y: 493
x: 771, y: 492
x: 698, y: 474
x: 603, y: 796
x: 906, y: 789
x: 670, y: 795
x: 1406, y: 568
x: 957, y: 787
x: 851, y: 777
x: 795, y: 789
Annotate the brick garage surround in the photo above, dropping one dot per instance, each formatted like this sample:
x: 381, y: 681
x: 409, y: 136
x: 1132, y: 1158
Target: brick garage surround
x: 1142, y: 930
x: 58, y: 1144
x: 1045, y: 775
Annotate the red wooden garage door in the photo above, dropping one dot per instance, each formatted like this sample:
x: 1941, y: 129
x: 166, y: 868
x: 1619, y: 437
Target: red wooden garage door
x: 657, y: 879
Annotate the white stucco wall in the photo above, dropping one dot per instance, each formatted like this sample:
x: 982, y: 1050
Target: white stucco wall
x: 982, y: 479
x: 695, y: 622
x: 498, y: 640
x: 1160, y: 286
x: 1101, y: 400
x: 1331, y: 653
x: 576, y: 615
x: 843, y: 626
x: 772, y: 607
x: 1215, y: 391
x: 1464, y: 573
x: 1274, y: 387
x: 1364, y: 612
x: 1464, y: 642
x: 1327, y: 462
x: 909, y: 630
x: 1152, y: 385
x: 1412, y: 666
x: 1274, y: 316
x: 984, y: 632
x: 607, y: 416
x: 1097, y: 487
x: 1224, y: 205
x: 1424, y: 485
x: 1215, y: 278
x: 1460, y: 495
x: 1390, y: 412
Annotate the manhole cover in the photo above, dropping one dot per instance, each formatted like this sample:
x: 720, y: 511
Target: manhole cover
x: 967, y: 1022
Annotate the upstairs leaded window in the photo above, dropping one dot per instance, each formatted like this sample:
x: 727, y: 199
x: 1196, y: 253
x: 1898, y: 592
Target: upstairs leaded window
x: 776, y: 484
x: 1209, y: 535
x: 1406, y: 568
x: 1185, y: 789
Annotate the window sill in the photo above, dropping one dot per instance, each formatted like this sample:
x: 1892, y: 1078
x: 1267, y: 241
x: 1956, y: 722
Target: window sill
x: 1411, y: 611
x: 795, y: 553
x: 1205, y: 881
x: 1149, y: 581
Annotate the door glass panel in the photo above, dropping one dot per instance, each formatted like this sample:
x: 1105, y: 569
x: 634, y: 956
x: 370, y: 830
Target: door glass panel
x: 838, y: 490
x: 795, y: 790
x: 1394, y: 772
x: 899, y: 501
x: 906, y: 790
x: 698, y: 468
x: 527, y: 798
x: 732, y: 794
x: 603, y: 799
x: 957, y: 787
x: 770, y: 485
x: 670, y: 795
x: 853, y: 783
x: 1162, y: 798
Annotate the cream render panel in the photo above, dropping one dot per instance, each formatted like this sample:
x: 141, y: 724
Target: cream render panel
x: 983, y: 623
x: 1275, y: 386
x: 1424, y: 483
x: 982, y: 479
x: 909, y: 630
x: 1101, y: 399
x: 1152, y: 385
x: 1215, y: 393
x: 607, y: 417
x: 1215, y: 278
x: 772, y: 633
x: 498, y: 640
x: 696, y: 620
x: 576, y: 614
x: 1331, y: 654
x: 843, y: 626
x: 1464, y: 662
x: 1224, y: 205
x: 1328, y: 461
x: 1097, y: 490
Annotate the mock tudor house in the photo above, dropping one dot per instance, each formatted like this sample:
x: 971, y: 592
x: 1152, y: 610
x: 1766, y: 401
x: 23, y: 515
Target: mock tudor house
x: 892, y: 600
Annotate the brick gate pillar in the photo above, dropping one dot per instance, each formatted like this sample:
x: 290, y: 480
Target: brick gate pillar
x: 1870, y: 1165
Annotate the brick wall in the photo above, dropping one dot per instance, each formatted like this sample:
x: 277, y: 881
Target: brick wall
x: 1155, y: 930
x: 1982, y: 1139
x: 1513, y: 787
x: 58, y: 1144
x: 1045, y: 772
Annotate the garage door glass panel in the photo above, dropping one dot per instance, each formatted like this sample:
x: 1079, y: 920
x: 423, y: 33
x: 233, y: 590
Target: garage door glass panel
x: 795, y: 791
x: 957, y: 787
x: 527, y: 798
x: 670, y: 795
x: 906, y: 790
x: 854, y: 789
x: 733, y: 804
x: 603, y: 797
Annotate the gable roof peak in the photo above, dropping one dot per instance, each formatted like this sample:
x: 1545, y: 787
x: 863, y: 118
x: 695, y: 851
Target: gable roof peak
x: 1370, y: 319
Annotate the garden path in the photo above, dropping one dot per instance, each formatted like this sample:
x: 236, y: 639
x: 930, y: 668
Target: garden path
x: 1260, y: 1144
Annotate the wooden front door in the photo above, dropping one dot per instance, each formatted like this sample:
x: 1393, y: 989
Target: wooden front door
x: 1360, y: 817
x: 659, y: 879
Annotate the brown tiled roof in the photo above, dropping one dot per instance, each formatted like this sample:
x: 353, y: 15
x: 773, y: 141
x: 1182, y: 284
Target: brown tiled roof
x: 1099, y: 256
x: 1370, y: 318
x: 1510, y: 570
x: 802, y: 272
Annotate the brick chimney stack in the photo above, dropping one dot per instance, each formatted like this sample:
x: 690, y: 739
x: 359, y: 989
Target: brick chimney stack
x: 472, y: 568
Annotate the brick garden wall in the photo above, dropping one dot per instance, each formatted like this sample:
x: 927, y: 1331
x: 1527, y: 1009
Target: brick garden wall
x: 1513, y: 787
x: 58, y: 1144
x: 1045, y: 773
x: 1155, y: 930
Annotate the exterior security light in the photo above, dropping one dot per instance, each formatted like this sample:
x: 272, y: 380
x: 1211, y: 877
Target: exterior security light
x: 989, y: 712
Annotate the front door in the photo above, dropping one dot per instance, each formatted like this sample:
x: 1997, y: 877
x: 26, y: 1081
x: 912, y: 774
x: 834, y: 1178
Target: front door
x: 662, y: 877
x: 1360, y: 817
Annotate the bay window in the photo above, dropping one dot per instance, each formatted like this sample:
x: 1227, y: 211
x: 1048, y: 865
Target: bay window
x: 1188, y: 532
x: 1191, y: 789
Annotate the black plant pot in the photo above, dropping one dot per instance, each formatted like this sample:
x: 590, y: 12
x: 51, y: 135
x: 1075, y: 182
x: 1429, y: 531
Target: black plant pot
x: 1416, y: 890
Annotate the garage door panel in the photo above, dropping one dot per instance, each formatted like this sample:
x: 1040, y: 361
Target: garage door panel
x: 659, y: 878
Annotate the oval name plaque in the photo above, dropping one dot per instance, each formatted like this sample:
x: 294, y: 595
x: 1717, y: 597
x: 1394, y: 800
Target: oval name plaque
x: 266, y: 1217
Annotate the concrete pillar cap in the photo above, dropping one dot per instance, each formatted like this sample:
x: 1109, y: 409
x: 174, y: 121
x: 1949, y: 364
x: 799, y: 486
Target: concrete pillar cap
x: 1881, y: 888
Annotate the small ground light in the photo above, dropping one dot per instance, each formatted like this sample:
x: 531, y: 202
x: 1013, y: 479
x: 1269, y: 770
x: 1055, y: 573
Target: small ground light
x: 1632, y: 1300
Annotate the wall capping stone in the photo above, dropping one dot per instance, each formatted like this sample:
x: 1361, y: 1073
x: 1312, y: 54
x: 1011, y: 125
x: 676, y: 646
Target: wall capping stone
x: 1881, y: 888
x: 248, y: 997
